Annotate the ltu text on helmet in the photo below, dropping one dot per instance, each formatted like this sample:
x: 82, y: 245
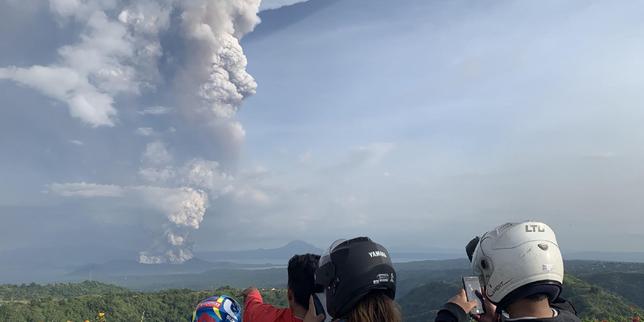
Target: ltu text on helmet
x: 535, y: 228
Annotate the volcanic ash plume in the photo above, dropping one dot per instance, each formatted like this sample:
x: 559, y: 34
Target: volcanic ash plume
x: 214, y: 80
x: 120, y: 53
x: 185, y: 209
x: 211, y: 86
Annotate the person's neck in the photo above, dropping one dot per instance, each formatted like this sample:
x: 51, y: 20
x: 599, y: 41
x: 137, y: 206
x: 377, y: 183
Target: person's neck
x: 298, y: 311
x: 529, y: 308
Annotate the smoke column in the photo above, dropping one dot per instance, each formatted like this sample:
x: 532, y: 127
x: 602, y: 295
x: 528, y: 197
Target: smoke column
x: 185, y: 210
x: 118, y: 54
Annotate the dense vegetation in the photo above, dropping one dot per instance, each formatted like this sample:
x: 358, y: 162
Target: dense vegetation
x: 33, y: 291
x: 599, y: 291
x: 597, y: 304
x: 592, y: 302
x: 628, y: 285
x: 422, y: 303
x: 116, y: 303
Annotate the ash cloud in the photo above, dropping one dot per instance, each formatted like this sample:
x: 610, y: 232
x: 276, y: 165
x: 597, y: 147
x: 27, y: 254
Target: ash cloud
x: 183, y: 207
x: 120, y: 57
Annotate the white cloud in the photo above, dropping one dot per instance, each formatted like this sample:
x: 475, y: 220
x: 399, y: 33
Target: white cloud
x: 156, y: 110
x: 108, y: 60
x: 77, y: 142
x: 84, y: 100
x: 145, y: 131
x: 156, y: 153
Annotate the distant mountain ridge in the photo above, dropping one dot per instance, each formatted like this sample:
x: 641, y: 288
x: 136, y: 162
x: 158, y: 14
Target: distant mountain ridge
x: 279, y: 256
x: 131, y: 267
x: 206, y: 261
x: 637, y: 257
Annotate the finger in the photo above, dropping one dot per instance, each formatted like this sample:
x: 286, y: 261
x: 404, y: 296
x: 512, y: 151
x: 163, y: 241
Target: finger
x: 311, y: 311
x: 320, y: 318
x: 479, y: 294
x: 489, y: 306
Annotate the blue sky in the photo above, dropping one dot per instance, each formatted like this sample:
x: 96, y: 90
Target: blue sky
x: 273, y: 4
x: 420, y: 123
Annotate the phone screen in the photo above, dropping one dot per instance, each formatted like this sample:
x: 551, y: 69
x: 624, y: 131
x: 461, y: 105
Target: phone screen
x: 471, y: 284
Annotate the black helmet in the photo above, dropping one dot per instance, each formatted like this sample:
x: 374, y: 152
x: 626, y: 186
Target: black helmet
x: 350, y: 270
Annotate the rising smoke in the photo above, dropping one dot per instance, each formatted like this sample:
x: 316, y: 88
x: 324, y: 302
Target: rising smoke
x: 119, y: 54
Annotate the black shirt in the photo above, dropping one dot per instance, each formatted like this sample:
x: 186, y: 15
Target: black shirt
x: 567, y: 313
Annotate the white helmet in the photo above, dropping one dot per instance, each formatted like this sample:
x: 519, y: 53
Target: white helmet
x: 517, y: 260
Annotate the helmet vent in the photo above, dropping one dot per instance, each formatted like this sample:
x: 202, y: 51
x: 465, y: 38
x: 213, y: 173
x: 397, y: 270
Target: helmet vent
x: 543, y: 246
x: 484, y: 264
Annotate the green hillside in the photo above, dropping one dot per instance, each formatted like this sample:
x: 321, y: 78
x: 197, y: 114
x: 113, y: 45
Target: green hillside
x: 170, y: 305
x: 60, y: 290
x: 422, y: 303
x: 592, y: 302
x: 628, y: 285
x: 600, y: 291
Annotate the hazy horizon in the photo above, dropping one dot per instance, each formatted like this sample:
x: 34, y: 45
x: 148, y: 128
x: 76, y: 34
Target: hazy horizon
x: 156, y: 128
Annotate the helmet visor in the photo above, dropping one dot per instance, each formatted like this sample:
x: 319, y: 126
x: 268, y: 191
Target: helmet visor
x: 471, y: 247
x: 325, y: 273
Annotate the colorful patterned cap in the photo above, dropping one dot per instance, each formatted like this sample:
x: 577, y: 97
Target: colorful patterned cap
x: 217, y: 309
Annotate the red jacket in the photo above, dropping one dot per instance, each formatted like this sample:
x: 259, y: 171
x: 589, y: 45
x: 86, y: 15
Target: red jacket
x: 256, y: 311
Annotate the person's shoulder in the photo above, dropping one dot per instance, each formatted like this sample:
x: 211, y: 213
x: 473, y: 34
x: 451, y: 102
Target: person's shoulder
x: 451, y: 312
x: 564, y: 306
x: 567, y: 316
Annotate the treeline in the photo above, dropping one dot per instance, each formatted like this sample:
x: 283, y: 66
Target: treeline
x: 59, y: 290
x: 124, y: 305
x: 593, y: 303
x: 84, y: 301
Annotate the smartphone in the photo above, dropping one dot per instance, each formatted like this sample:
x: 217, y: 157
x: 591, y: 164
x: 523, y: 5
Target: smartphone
x: 471, y: 284
x: 319, y: 308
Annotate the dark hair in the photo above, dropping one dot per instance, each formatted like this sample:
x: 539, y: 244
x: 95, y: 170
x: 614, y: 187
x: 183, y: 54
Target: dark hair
x: 301, y: 277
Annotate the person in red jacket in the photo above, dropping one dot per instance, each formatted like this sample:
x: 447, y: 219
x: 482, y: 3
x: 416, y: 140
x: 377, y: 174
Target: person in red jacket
x: 301, y: 285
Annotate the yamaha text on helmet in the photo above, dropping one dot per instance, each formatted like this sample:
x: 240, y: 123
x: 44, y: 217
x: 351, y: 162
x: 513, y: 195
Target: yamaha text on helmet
x: 517, y: 260
x: 350, y: 270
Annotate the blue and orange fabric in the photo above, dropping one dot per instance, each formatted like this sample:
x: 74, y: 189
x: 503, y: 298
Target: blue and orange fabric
x: 217, y: 309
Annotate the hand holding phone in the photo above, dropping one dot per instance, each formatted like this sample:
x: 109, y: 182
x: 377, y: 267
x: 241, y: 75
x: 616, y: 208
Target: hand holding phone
x: 315, y: 313
x: 471, y: 285
x: 319, y: 308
